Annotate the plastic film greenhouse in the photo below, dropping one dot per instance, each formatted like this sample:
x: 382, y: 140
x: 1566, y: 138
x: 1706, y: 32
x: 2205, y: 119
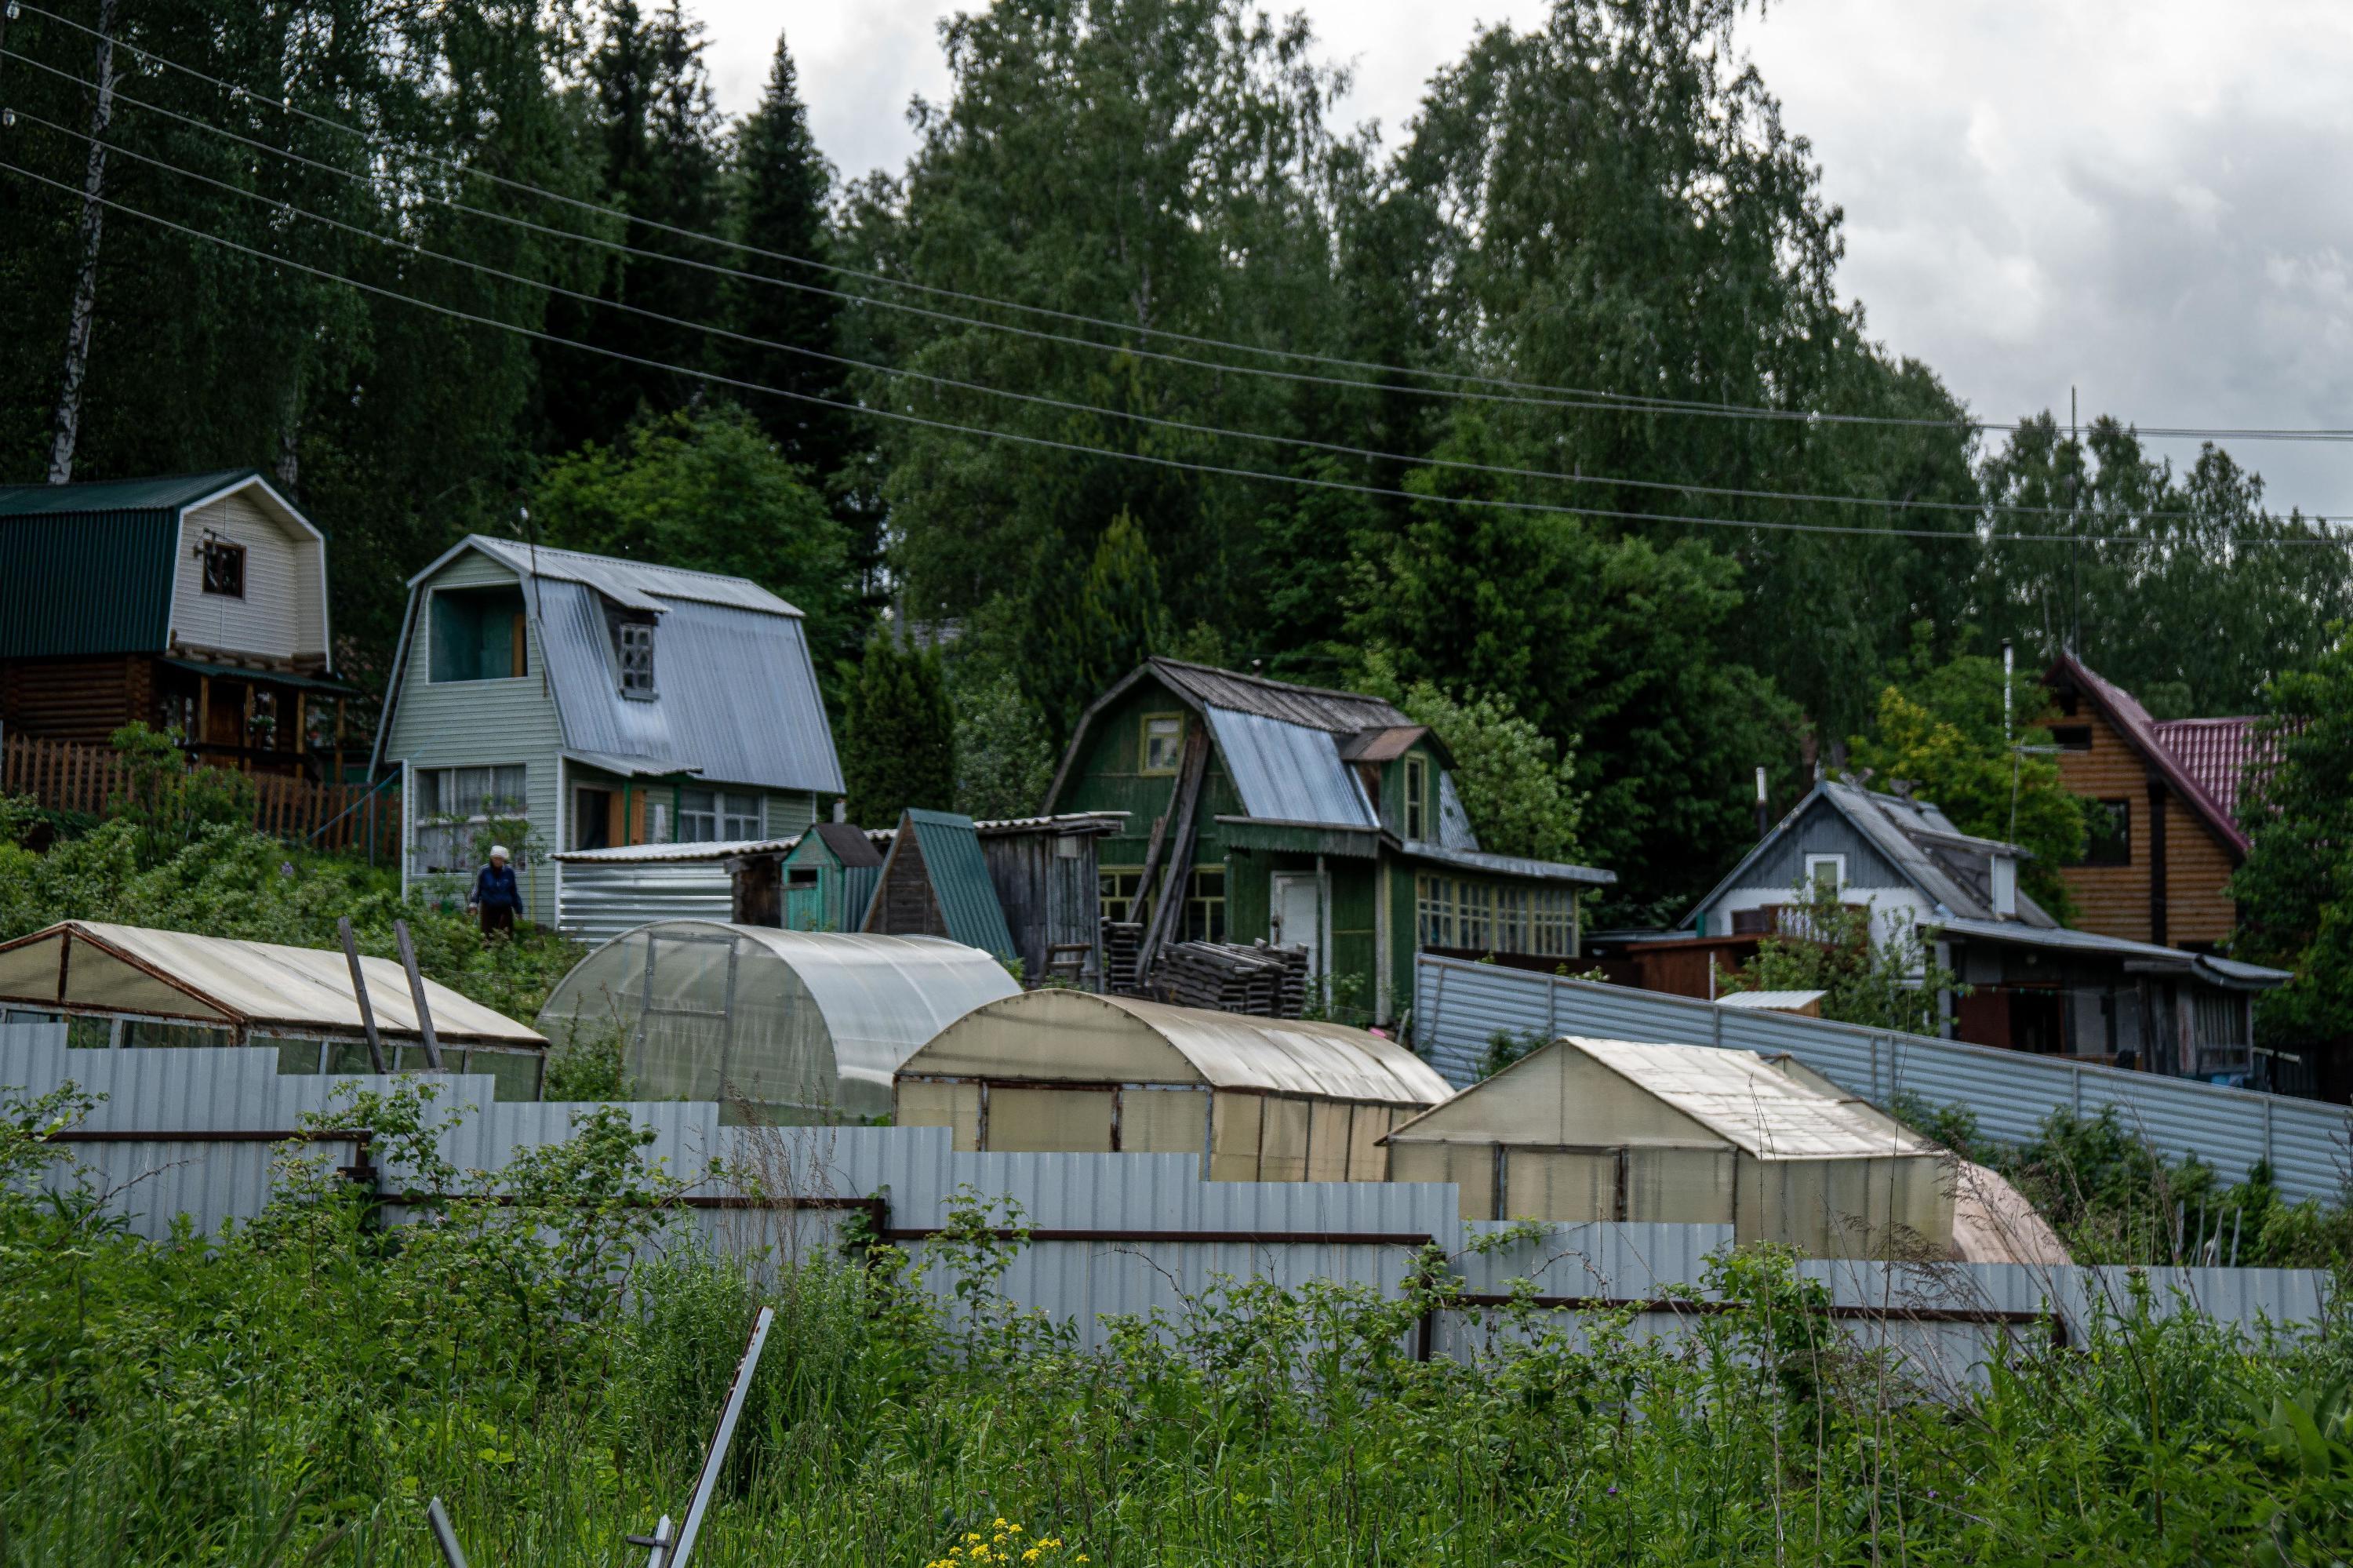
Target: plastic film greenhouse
x: 779, y: 1026
x: 1262, y: 1099
x: 1607, y: 1129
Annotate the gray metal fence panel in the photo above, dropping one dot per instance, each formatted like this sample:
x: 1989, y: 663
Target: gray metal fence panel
x: 1461, y: 1005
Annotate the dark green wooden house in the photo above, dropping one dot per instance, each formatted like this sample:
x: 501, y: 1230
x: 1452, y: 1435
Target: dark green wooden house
x: 1320, y: 819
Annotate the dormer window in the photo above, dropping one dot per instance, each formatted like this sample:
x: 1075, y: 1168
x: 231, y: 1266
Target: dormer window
x: 635, y: 642
x: 224, y: 564
x: 1416, y: 799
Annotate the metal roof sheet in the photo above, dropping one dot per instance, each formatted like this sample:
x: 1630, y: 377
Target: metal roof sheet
x: 165, y: 492
x: 86, y: 582
x: 1289, y: 772
x: 1340, y: 713
x: 2145, y: 955
x: 1750, y: 1101
x: 683, y: 855
x: 1224, y: 1050
x: 1508, y: 864
x: 2218, y: 752
x: 736, y: 695
x: 132, y: 968
x: 960, y: 879
x: 1769, y: 1001
x: 1454, y: 829
x: 641, y: 585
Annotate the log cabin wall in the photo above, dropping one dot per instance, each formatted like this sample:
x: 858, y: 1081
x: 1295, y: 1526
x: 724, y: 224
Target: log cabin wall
x: 2114, y: 900
x: 84, y: 700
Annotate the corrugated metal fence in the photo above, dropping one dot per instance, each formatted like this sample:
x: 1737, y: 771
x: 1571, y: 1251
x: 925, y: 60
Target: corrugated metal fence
x: 1459, y: 1006
x: 602, y: 899
x: 195, y: 1132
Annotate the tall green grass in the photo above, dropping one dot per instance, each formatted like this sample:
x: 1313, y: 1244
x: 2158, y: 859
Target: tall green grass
x: 293, y: 1390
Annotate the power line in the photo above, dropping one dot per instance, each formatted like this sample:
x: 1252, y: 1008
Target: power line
x: 1972, y: 508
x: 1151, y: 459
x: 1560, y: 397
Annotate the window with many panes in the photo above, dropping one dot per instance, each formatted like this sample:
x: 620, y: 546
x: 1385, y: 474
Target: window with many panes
x: 1204, y: 904
x: 1122, y: 888
x: 718, y: 816
x: 636, y: 641
x: 1488, y: 917
x: 455, y: 807
x: 1417, y: 798
x: 1164, y: 735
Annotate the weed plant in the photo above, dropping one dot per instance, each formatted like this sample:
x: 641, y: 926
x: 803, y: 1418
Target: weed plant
x: 292, y: 1390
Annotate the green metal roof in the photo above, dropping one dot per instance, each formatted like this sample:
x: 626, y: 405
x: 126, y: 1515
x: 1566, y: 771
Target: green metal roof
x: 87, y: 568
x: 168, y: 493
x: 960, y: 879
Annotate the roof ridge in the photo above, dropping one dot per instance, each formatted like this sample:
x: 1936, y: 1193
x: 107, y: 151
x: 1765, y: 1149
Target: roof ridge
x: 623, y: 560
x: 1270, y: 681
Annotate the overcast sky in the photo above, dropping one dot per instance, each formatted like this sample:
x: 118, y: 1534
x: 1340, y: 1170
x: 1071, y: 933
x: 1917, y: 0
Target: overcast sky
x: 2143, y: 198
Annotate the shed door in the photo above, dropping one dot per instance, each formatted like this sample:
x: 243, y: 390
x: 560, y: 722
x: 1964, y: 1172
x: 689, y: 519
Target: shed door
x: 1298, y: 909
x: 804, y: 901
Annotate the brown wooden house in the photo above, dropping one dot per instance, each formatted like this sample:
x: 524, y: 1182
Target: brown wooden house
x: 2161, y: 870
x: 195, y: 603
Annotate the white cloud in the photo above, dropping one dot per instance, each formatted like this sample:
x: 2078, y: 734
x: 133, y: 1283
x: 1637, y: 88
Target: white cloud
x: 2139, y: 198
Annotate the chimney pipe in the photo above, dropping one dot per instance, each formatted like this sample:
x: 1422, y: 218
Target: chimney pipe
x: 2008, y: 663
x: 1764, y: 817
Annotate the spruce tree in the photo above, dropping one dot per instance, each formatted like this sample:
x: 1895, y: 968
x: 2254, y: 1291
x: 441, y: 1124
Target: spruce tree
x: 899, y: 746
x: 1090, y: 638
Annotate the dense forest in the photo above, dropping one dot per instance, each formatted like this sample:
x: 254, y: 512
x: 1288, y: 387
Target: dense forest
x: 1546, y: 401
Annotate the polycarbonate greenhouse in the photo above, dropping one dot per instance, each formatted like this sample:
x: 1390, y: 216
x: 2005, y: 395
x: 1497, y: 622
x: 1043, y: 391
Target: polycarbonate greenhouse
x: 1609, y: 1129
x: 1261, y: 1100
x: 778, y: 1026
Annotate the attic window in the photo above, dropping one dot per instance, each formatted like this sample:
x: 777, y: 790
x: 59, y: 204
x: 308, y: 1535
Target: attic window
x: 224, y: 568
x: 635, y: 642
x: 1417, y: 798
x: 1164, y: 735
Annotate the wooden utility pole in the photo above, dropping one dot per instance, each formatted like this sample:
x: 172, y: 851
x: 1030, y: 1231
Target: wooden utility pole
x: 93, y: 223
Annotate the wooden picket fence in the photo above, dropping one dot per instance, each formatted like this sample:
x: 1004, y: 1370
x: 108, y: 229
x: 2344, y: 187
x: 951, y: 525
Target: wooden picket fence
x: 65, y: 776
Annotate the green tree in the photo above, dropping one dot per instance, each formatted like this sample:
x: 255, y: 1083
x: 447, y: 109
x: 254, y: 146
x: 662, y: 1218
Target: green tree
x: 708, y: 490
x: 1103, y: 627
x: 1003, y: 761
x: 1940, y: 732
x: 898, y: 734
x: 2295, y: 889
x: 1516, y: 787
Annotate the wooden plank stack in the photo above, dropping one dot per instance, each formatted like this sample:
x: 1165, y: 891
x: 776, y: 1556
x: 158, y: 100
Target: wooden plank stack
x: 1257, y: 980
x: 1121, y: 941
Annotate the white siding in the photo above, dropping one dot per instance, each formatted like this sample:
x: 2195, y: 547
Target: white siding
x: 474, y: 724
x: 282, y: 614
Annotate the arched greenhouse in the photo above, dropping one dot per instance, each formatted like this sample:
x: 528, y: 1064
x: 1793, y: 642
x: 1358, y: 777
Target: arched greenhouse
x: 779, y: 1026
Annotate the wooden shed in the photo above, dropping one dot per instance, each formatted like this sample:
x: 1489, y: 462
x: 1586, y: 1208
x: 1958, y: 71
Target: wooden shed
x: 823, y: 882
x: 1608, y: 1130
x: 935, y: 883
x: 1261, y: 1100
x: 1045, y: 880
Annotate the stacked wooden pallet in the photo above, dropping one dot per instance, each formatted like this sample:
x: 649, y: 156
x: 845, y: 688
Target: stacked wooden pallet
x: 1259, y: 981
x: 1121, y: 941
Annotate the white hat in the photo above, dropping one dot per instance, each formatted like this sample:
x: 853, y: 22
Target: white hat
x: 498, y: 851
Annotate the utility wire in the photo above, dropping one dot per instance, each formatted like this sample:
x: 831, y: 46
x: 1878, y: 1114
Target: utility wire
x: 1563, y: 397
x: 1337, y: 448
x: 1151, y: 459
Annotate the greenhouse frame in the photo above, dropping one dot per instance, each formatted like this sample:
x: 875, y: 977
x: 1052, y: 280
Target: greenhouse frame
x: 1609, y: 1129
x: 132, y: 987
x: 1259, y: 1099
x: 780, y: 1027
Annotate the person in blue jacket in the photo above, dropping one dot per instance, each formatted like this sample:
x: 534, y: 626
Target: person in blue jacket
x: 496, y: 894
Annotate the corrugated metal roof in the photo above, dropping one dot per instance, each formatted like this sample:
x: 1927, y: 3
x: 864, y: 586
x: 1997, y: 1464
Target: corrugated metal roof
x: 1224, y: 1050
x: 639, y: 585
x: 1340, y: 713
x: 1289, y: 772
x: 960, y: 879
x: 131, y: 969
x: 1508, y: 864
x: 1769, y: 1001
x: 851, y: 845
x: 164, y: 493
x: 1749, y: 1100
x: 2220, y: 971
x: 1454, y: 829
x: 276, y: 677
x: 86, y: 582
x: 736, y: 692
x: 675, y: 854
x: 2216, y: 752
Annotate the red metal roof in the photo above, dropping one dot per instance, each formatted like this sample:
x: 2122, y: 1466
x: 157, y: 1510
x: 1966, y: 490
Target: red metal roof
x: 2216, y: 751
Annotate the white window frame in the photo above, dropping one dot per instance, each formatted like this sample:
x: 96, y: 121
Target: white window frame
x: 1837, y: 863
x: 729, y: 813
x: 437, y: 823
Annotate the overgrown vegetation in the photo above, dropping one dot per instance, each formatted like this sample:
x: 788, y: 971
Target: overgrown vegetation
x: 178, y: 852
x: 1873, y: 970
x: 293, y: 1389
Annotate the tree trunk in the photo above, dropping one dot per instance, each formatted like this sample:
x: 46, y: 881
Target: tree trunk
x: 93, y: 223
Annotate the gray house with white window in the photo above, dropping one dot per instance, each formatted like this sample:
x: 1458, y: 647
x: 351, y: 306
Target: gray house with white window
x: 581, y: 701
x: 2027, y: 982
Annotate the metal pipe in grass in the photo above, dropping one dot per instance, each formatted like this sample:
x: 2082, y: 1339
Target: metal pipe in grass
x: 716, y: 1460
x: 439, y: 1517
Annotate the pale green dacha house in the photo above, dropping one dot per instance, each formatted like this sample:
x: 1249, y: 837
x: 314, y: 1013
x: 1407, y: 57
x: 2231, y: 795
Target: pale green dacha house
x: 581, y: 701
